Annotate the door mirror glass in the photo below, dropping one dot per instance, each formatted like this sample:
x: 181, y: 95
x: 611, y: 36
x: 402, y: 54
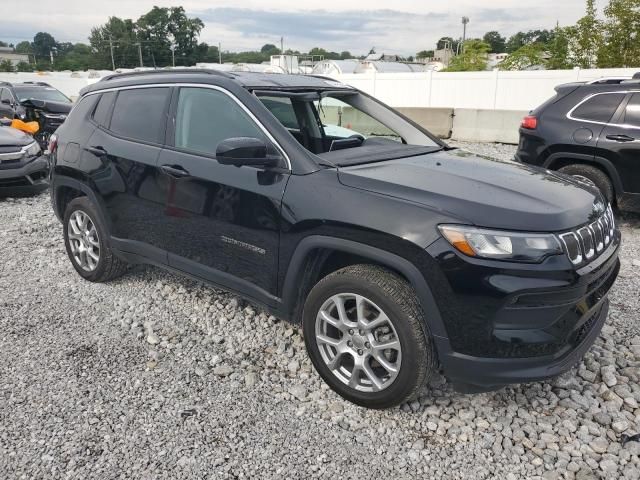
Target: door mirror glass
x: 245, y: 151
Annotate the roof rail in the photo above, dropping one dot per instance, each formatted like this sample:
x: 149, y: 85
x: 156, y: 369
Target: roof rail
x: 608, y: 81
x: 201, y: 71
x: 41, y: 84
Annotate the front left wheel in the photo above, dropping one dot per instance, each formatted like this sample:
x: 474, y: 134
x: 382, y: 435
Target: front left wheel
x: 86, y: 241
x: 366, y: 335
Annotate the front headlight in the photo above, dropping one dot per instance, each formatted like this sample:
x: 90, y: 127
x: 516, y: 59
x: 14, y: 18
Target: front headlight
x: 500, y: 245
x: 32, y: 149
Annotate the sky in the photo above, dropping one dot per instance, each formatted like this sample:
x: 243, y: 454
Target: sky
x: 400, y: 26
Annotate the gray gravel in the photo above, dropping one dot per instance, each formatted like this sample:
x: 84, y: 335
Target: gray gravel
x: 156, y: 376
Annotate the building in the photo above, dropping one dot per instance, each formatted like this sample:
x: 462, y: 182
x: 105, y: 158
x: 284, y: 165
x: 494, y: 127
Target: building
x: 7, y: 53
x: 495, y: 59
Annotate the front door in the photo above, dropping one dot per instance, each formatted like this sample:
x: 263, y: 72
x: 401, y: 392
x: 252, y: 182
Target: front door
x: 621, y: 141
x: 222, y: 222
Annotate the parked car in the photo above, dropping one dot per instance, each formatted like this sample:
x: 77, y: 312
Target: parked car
x: 591, y: 131
x: 397, y: 253
x: 23, y: 169
x: 35, y: 101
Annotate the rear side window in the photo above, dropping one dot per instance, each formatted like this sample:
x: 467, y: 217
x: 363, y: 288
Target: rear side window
x: 632, y: 112
x: 599, y: 108
x: 101, y: 114
x: 139, y: 114
x: 205, y: 117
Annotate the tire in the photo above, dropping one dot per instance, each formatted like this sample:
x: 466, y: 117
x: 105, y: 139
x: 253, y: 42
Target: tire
x: 595, y: 175
x: 379, y: 291
x: 107, y: 266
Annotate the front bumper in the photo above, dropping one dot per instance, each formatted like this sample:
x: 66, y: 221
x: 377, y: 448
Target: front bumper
x: 509, y: 323
x: 24, y: 178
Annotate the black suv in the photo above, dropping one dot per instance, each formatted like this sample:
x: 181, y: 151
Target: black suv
x: 317, y: 202
x: 35, y: 102
x: 591, y: 131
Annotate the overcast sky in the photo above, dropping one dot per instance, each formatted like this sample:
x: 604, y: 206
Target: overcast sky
x: 399, y: 26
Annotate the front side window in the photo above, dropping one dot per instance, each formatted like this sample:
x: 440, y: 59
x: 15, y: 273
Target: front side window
x: 341, y: 120
x: 632, y: 112
x: 599, y: 108
x: 205, y: 117
x: 282, y: 109
x: 139, y: 114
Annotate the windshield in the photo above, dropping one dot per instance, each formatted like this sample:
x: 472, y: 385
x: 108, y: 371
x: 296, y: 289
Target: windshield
x: 40, y: 93
x: 347, y: 127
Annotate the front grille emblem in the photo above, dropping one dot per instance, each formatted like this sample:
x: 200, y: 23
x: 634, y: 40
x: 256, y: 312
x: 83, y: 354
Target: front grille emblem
x: 585, y: 243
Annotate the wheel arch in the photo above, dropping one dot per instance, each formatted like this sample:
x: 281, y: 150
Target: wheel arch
x: 309, y: 264
x: 64, y: 189
x: 561, y: 159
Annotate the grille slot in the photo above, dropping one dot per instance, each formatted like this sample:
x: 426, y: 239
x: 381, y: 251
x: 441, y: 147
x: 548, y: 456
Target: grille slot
x: 584, y: 244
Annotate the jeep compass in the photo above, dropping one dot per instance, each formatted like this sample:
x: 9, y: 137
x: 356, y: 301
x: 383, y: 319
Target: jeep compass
x: 399, y: 255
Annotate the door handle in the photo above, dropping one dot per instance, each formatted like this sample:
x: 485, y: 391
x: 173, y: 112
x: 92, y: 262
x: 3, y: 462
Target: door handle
x: 97, y: 151
x: 175, y: 171
x: 620, y: 138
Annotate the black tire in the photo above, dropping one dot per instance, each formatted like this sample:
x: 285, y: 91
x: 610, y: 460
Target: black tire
x: 108, y: 266
x: 597, y: 176
x: 399, y: 302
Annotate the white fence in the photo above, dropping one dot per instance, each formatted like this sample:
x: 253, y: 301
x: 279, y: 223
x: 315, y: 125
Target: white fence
x: 496, y: 90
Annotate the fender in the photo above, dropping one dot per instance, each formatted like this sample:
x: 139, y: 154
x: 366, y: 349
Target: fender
x: 601, y: 161
x: 65, y: 181
x: 402, y: 265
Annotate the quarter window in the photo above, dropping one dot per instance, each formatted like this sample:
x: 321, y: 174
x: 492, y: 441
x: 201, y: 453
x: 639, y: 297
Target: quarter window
x: 100, y: 116
x: 139, y: 113
x: 599, y: 108
x: 206, y: 117
x: 632, y: 112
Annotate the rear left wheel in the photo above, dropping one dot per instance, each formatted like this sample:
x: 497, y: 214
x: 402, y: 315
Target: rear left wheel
x: 365, y: 333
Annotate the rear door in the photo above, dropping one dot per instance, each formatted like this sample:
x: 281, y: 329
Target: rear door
x: 121, y: 158
x: 621, y: 140
x: 221, y: 222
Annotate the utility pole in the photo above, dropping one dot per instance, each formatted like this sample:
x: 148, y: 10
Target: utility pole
x: 173, y: 54
x: 113, y: 62
x: 139, y: 44
x: 220, y: 53
x: 51, y: 56
x: 281, y: 45
x: 465, y: 21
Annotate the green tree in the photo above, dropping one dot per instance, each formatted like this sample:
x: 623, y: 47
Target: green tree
x: 558, y: 50
x: 345, y: 55
x: 24, y: 47
x: 621, y: 47
x: 425, y: 54
x: 526, y: 57
x: 449, y: 42
x: 6, y: 66
x: 24, y: 67
x: 270, y: 49
x: 585, y: 38
x: 497, y: 42
x: 43, y: 45
x: 2, y: 44
x: 473, y: 58
x: 121, y: 33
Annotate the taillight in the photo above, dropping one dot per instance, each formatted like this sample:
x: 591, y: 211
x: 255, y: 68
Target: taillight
x: 53, y: 143
x: 529, y: 122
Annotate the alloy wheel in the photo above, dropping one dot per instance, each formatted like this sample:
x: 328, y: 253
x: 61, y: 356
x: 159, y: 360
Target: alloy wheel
x: 358, y: 342
x: 84, y: 241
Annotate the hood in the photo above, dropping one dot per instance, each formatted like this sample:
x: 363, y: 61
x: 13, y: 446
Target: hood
x: 48, y: 105
x: 482, y: 191
x: 11, y: 137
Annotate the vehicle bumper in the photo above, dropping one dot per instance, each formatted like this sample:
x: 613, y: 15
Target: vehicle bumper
x: 28, y: 178
x: 515, y: 326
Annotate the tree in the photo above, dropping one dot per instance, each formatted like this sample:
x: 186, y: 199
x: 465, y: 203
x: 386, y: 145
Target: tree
x: 121, y: 34
x: 473, y: 58
x: 621, y: 31
x: 24, y: 47
x: 270, y: 49
x: 345, y: 55
x: 521, y: 39
x: 2, y: 44
x: 526, y: 57
x: 43, y: 45
x: 425, y: 54
x: 447, y: 42
x: 497, y: 42
x: 6, y: 66
x: 559, y: 50
x: 585, y: 38
x: 24, y: 67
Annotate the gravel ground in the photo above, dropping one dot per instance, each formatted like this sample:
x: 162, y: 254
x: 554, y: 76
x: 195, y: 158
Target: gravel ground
x: 156, y: 376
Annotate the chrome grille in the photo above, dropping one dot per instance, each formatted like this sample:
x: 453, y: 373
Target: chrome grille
x: 584, y: 244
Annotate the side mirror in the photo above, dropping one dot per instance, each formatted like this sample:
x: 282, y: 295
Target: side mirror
x: 245, y: 151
